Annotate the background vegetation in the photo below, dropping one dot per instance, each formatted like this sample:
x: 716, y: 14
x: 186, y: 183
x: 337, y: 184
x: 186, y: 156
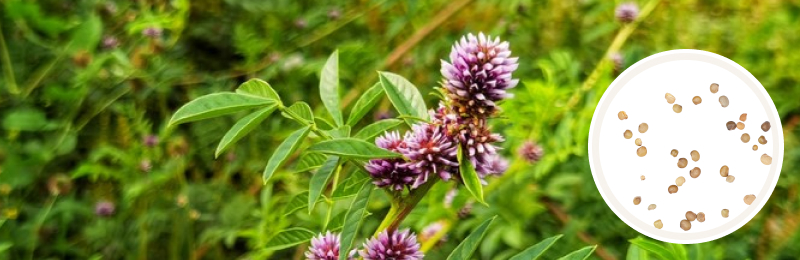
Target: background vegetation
x: 88, y: 87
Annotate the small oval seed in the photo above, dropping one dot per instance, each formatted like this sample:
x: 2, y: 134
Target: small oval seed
x: 765, y: 126
x: 701, y: 217
x: 745, y: 138
x: 694, y: 172
x: 690, y: 216
x: 651, y: 207
x: 674, y: 153
x: 682, y: 162
x: 627, y: 134
x: 642, y: 151
x: 724, y: 171
x: 730, y: 125
x: 658, y: 224
x: 695, y: 155
x: 725, y: 213
x: 730, y: 179
x: 762, y: 140
x: 755, y: 147
x: 680, y: 181
x: 686, y: 225
x: 672, y: 189
x: 677, y: 108
x: 638, y: 141
x: 723, y: 100
x: 748, y: 199
x: 714, y: 88
x: 670, y: 98
x: 743, y: 117
x: 622, y: 115
x: 740, y: 125
x: 696, y: 100
x: 642, y: 177
x: 637, y: 200
x: 643, y: 128
x: 766, y: 159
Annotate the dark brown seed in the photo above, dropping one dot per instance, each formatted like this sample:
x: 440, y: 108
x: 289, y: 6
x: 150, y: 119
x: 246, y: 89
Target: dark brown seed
x: 643, y: 128
x: 745, y: 138
x: 766, y: 159
x: 672, y: 189
x: 748, y: 199
x: 651, y: 207
x: 701, y: 217
x: 670, y: 98
x: 743, y: 117
x: 658, y: 224
x: 755, y: 147
x: 725, y: 213
x: 765, y: 126
x: 730, y: 125
x: 642, y: 151
x: 714, y: 88
x: 637, y: 200
x: 680, y: 181
x: 740, y: 125
x: 724, y: 171
x: 682, y: 162
x: 642, y: 177
x: 723, y: 100
x: 694, y: 172
x: 622, y: 115
x: 730, y: 178
x: 690, y: 216
x: 695, y: 155
x: 674, y: 153
x: 686, y: 225
x: 677, y: 108
x: 638, y: 141
x: 762, y: 140
x: 627, y: 134
x: 696, y: 100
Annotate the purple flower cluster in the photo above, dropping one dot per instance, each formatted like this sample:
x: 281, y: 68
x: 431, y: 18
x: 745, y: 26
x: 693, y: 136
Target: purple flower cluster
x: 400, y: 245
x: 325, y: 247
x: 627, y: 12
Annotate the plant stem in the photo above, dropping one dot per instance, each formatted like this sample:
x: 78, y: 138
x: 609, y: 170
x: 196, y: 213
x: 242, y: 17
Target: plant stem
x: 9, y: 70
x: 402, y: 206
x: 40, y: 224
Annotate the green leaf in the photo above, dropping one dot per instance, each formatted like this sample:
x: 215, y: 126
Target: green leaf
x: 26, y: 119
x: 404, y: 96
x: 470, y: 244
x: 284, y: 150
x: 329, y: 87
x: 536, y: 251
x: 679, y: 251
x: 87, y: 35
x: 214, y: 105
x: 289, y: 238
x: 301, y: 112
x: 354, y: 218
x: 310, y: 161
x: 365, y: 103
x: 298, y: 202
x: 471, y: 180
x: 580, y: 254
x: 377, y: 128
x: 341, y: 132
x: 259, y: 88
x: 242, y: 128
x: 320, y: 179
x: 351, y: 185
x: 652, y: 247
x: 351, y: 148
x: 636, y: 253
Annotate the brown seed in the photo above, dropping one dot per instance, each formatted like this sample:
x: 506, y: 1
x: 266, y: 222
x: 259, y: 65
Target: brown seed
x: 725, y: 213
x: 730, y: 125
x: 766, y: 159
x: 677, y: 108
x: 674, y: 153
x: 690, y: 216
x: 701, y: 217
x: 627, y: 134
x: 748, y: 199
x: 642, y: 151
x: 723, y: 100
x: 696, y: 100
x: 637, y: 200
x: 743, y: 117
x: 622, y: 115
x: 730, y: 179
x: 682, y: 162
x: 714, y: 88
x: 724, y: 171
x: 765, y: 126
x: 672, y: 189
x: 670, y: 98
x: 745, y: 138
x: 643, y: 128
x: 755, y: 147
x: 694, y: 172
x: 651, y: 207
x: 680, y: 181
x: 695, y: 155
x: 686, y: 225
x: 658, y: 224
x: 638, y: 141
x: 762, y: 140
x: 740, y: 125
x: 642, y: 177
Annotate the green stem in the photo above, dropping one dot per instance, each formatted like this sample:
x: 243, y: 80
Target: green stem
x: 9, y: 70
x: 402, y: 206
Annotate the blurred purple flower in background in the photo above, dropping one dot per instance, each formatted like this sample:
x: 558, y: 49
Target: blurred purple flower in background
x: 104, y: 208
x: 152, y: 32
x: 531, y: 151
x: 110, y: 42
x: 627, y: 12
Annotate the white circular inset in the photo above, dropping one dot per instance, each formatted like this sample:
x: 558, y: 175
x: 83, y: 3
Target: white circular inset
x: 641, y: 92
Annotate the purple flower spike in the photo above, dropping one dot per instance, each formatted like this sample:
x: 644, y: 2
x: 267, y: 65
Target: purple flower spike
x: 531, y: 152
x: 391, y: 173
x: 397, y: 245
x: 325, y: 247
x: 478, y: 74
x: 104, y: 208
x: 431, y: 151
x: 152, y: 32
x: 390, y: 141
x: 627, y: 12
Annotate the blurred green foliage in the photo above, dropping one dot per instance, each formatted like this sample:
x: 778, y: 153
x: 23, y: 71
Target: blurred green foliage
x: 88, y: 86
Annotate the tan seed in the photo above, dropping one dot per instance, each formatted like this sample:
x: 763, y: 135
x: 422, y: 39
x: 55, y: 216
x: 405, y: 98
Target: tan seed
x: 725, y: 213
x: 677, y: 108
x: 745, y: 138
x: 643, y: 128
x: 701, y: 217
x: 694, y: 172
x: 695, y: 155
x: 682, y: 162
x: 642, y: 151
x: 724, y: 171
x: 628, y: 134
x: 740, y: 125
x: 686, y: 225
x: 658, y: 224
x: 714, y: 88
x: 730, y: 125
x: 762, y: 140
x: 680, y: 181
x: 670, y: 98
x: 730, y: 179
x: 674, y: 153
x: 743, y: 117
x: 723, y: 100
x: 755, y: 147
x: 637, y: 200
x: 696, y: 100
x: 622, y: 115
x: 765, y: 126
x: 651, y: 207
x: 766, y: 159
x: 642, y: 177
x: 748, y: 199
x: 672, y: 189
x: 638, y: 141
x: 690, y: 216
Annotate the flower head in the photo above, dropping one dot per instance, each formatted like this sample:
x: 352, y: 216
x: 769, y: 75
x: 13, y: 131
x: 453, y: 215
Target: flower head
x: 531, y: 152
x: 430, y: 151
x: 325, y: 247
x: 152, y: 32
x: 398, y: 245
x: 391, y: 173
x: 478, y: 74
x: 390, y: 141
x: 150, y: 140
x: 627, y: 12
x: 104, y: 208
x: 110, y: 42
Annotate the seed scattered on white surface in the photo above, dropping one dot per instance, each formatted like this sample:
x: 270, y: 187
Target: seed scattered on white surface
x: 638, y: 141
x: 743, y: 117
x: 695, y: 155
x: 694, y: 172
x: 670, y: 98
x: 730, y: 178
x: 766, y: 159
x: 745, y: 138
x: 690, y: 216
x: 622, y: 115
x: 730, y: 125
x: 755, y: 147
x: 672, y: 189
x: 697, y: 100
x: 740, y: 126
x: 765, y: 126
x: 651, y: 207
x: 677, y: 108
x: 682, y: 162
x: 725, y: 213
x: 748, y: 199
x: 642, y: 177
x: 680, y: 181
x: 762, y: 140
x: 643, y: 127
x: 658, y: 224
x: 686, y: 225
x: 637, y: 200
x: 714, y: 88
x: 627, y: 134
x: 724, y: 171
x: 723, y: 100
x: 674, y: 153
x: 701, y: 217
x: 642, y: 151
